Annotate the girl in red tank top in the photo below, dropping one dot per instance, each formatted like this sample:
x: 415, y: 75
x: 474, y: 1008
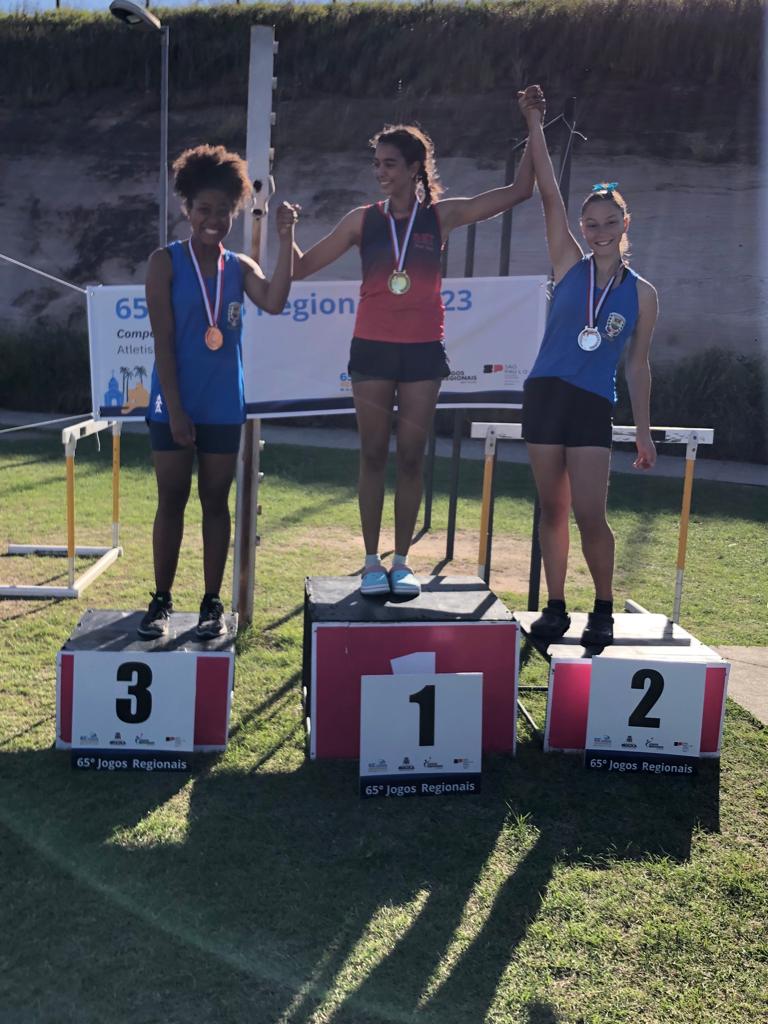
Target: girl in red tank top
x: 397, y: 355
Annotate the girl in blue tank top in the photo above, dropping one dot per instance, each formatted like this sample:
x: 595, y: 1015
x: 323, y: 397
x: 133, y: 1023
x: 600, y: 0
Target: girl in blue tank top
x: 599, y: 308
x: 195, y: 291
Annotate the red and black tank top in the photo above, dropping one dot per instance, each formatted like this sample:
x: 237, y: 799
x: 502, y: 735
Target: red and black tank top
x: 418, y: 315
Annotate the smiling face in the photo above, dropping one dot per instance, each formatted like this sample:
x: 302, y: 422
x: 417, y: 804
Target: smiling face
x: 210, y: 215
x: 603, y: 223
x: 394, y: 175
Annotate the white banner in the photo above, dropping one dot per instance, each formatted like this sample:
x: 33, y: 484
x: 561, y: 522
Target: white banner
x: 296, y: 362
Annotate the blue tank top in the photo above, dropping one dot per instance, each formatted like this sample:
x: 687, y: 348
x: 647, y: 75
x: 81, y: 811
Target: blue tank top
x: 560, y: 354
x: 210, y: 383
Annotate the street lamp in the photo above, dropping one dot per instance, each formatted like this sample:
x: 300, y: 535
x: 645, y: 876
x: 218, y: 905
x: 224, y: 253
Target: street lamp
x: 133, y: 14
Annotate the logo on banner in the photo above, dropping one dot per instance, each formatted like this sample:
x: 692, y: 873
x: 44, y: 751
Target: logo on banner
x: 159, y: 405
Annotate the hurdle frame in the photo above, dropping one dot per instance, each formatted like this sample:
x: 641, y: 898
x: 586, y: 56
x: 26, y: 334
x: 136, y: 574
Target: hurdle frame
x: 692, y: 437
x: 106, y: 555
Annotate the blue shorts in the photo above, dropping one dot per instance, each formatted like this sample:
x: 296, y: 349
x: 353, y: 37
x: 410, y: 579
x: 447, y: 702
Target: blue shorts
x: 213, y: 438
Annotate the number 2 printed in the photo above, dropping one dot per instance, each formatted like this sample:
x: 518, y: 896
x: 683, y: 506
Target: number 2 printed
x: 639, y: 717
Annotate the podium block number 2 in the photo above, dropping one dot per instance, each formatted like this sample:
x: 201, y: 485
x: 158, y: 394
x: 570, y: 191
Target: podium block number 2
x: 667, y: 717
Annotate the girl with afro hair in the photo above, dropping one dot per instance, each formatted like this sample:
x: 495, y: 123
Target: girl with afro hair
x: 195, y: 291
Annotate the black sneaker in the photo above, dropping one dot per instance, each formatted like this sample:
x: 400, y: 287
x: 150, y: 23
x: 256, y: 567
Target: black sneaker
x: 155, y: 622
x: 598, y: 631
x: 211, y: 622
x: 551, y: 624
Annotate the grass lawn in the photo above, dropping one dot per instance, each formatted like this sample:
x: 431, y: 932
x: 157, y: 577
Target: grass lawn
x: 261, y: 890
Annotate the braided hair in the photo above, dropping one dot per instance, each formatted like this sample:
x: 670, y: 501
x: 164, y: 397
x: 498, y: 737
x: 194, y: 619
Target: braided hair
x: 416, y: 147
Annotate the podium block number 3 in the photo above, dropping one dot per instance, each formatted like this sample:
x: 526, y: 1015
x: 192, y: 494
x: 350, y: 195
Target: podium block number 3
x: 425, y: 698
x: 125, y: 709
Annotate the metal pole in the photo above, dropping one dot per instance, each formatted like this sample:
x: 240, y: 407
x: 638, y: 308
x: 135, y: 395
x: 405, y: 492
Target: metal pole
x: 685, y: 515
x: 469, y: 255
x: 458, y: 423
x: 429, y: 481
x: 506, y: 222
x: 163, y: 195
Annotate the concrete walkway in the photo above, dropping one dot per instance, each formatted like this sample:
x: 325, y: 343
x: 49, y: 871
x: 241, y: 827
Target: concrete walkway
x: 274, y: 432
x: 748, y: 680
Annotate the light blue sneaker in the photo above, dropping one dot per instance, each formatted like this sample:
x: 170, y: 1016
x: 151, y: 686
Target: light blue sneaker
x: 403, y: 583
x: 374, y: 581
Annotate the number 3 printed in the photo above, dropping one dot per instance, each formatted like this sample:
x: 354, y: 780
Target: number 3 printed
x: 138, y: 690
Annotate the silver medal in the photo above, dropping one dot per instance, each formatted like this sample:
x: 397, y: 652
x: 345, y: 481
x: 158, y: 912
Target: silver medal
x: 590, y: 339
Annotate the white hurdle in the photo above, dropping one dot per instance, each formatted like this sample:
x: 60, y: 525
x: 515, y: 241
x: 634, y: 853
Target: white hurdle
x: 106, y: 555
x: 691, y: 437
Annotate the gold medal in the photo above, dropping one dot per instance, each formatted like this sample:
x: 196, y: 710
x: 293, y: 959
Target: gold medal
x: 399, y: 282
x: 214, y: 339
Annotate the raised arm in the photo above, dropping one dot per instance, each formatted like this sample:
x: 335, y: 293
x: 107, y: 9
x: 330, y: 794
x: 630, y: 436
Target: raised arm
x: 454, y: 213
x: 564, y: 250
x: 347, y: 233
x: 638, y: 373
x: 271, y: 295
x: 158, y: 291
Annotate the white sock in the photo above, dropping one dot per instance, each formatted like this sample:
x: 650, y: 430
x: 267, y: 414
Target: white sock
x: 398, y: 560
x: 372, y: 560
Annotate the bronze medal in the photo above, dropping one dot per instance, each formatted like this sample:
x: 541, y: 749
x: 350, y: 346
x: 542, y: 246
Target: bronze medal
x: 214, y: 339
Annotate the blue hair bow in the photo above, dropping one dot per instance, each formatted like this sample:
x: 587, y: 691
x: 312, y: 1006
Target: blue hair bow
x: 605, y: 186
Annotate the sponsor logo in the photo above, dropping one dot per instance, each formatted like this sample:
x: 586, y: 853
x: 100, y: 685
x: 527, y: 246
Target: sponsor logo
x: 234, y: 314
x: 118, y: 741
x: 462, y: 376
x: 159, y: 405
x: 143, y: 741
x: 377, y: 766
x: 615, y: 324
x: 629, y: 744
x: 683, y: 745
x: 465, y: 762
x: 428, y: 763
x: 493, y: 367
x: 406, y: 765
x: 653, y: 745
x: 345, y: 382
x: 177, y: 741
x: 93, y: 738
x: 601, y: 741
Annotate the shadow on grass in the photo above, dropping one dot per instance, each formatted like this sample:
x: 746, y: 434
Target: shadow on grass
x: 284, y: 885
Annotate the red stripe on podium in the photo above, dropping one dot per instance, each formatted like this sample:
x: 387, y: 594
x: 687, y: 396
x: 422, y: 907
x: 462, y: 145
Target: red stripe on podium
x: 66, y: 692
x: 211, y: 691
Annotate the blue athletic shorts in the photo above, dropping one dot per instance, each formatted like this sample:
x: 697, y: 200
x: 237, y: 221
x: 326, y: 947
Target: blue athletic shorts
x: 214, y: 438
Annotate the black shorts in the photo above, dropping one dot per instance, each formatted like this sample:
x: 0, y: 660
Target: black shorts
x: 556, y: 412
x: 397, y: 360
x: 212, y: 438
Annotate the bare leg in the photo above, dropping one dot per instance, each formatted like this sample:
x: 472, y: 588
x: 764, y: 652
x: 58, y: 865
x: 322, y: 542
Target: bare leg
x: 588, y: 470
x: 374, y: 400
x: 214, y: 479
x: 416, y: 401
x: 548, y: 462
x: 173, y: 472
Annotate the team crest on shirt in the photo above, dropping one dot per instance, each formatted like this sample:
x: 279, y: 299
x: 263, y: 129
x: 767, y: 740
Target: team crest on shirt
x: 234, y: 314
x: 615, y: 324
